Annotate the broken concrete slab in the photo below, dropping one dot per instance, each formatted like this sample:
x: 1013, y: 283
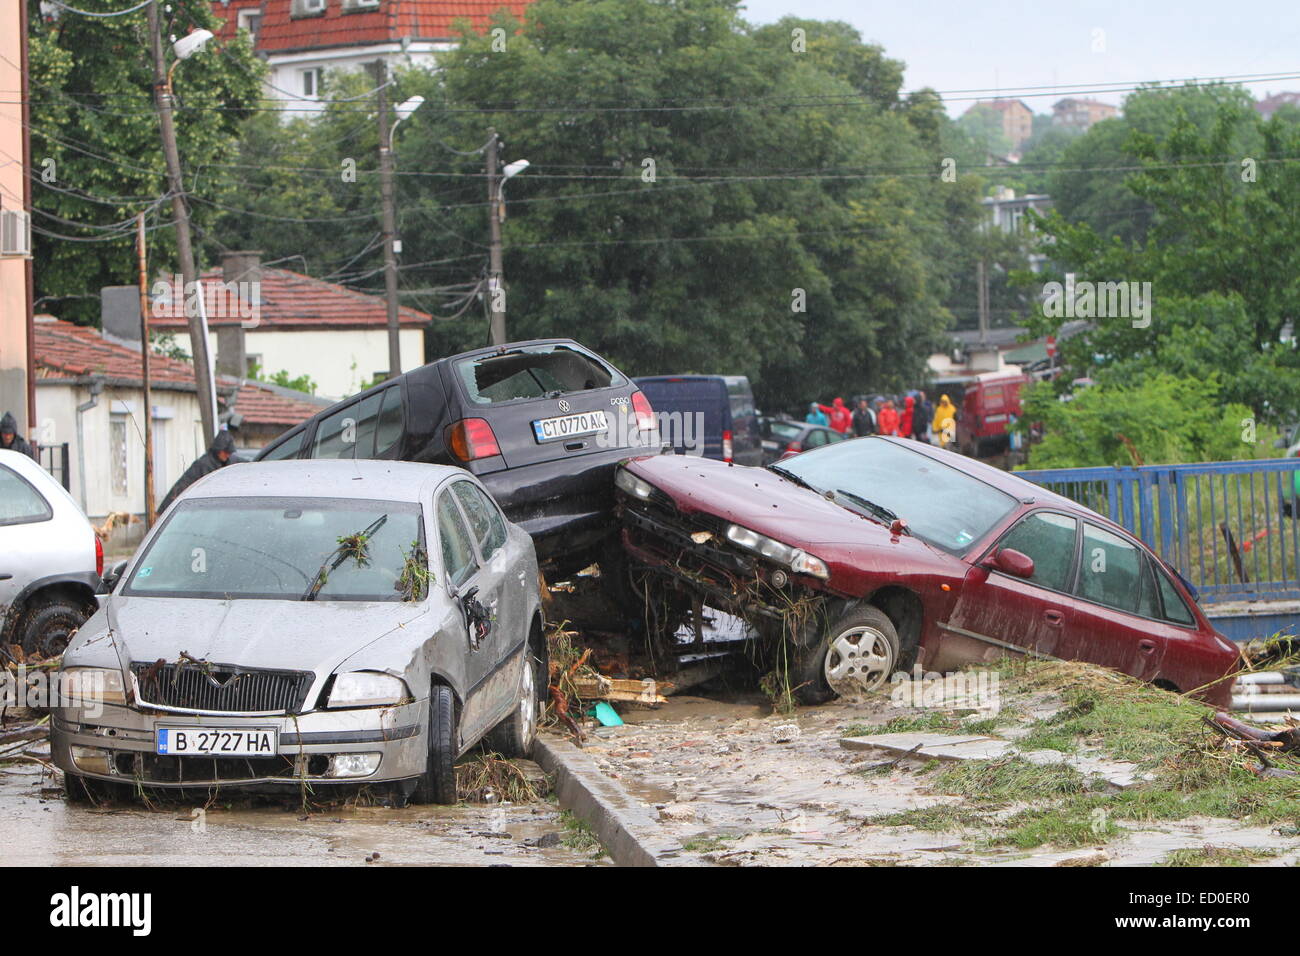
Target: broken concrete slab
x: 927, y: 746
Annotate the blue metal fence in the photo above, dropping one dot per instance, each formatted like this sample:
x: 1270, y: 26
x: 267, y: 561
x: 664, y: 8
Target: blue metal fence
x: 1231, y: 528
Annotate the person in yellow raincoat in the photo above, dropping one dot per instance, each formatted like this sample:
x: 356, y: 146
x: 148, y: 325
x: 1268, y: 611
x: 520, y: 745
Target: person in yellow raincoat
x: 945, y: 422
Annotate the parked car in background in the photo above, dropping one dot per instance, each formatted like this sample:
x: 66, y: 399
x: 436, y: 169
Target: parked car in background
x: 987, y: 407
x: 709, y: 415
x: 50, y: 559
x: 896, y: 553
x: 309, y: 623
x: 786, y: 438
x: 541, y: 423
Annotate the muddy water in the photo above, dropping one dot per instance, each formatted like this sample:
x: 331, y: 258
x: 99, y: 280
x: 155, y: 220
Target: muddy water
x: 38, y: 828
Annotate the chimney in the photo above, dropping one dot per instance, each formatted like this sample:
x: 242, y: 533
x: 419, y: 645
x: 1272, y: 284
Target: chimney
x: 239, y: 269
x: 119, y: 312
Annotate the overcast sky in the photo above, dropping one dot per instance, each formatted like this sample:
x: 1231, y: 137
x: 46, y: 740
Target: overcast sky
x: 1013, y: 44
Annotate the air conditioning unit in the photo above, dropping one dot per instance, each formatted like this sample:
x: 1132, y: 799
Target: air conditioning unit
x: 15, y: 233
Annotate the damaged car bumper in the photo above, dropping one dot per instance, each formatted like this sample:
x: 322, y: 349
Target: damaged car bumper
x: 324, y: 747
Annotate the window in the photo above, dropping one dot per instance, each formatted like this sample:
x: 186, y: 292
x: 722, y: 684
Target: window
x: 815, y: 438
x: 332, y: 434
x: 20, y: 503
x: 307, y: 8
x: 1049, y: 539
x: 250, y: 20
x: 1176, y: 609
x: 535, y: 372
x: 457, y: 548
x: 367, y: 412
x: 1114, y: 572
x: 117, y: 454
x: 288, y: 448
x: 388, y: 429
x: 310, y: 82
x: 484, y: 518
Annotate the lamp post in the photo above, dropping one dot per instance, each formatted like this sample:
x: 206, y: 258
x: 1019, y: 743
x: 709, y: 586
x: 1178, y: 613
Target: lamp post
x: 391, y: 242
x: 184, y: 48
x: 496, y: 215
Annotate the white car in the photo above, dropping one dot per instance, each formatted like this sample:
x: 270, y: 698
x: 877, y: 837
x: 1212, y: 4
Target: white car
x: 50, y: 560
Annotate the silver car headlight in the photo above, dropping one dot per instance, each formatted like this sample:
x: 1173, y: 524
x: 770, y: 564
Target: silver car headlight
x: 79, y: 686
x: 367, y: 689
x: 796, y: 559
x: 632, y: 485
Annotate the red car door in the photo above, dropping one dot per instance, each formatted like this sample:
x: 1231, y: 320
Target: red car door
x: 1118, y: 615
x: 999, y: 612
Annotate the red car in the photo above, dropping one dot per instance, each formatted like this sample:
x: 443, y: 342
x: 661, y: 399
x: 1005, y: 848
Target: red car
x: 893, y: 553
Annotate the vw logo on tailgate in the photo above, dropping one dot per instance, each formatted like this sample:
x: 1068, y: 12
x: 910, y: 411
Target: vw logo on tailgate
x: 565, y: 406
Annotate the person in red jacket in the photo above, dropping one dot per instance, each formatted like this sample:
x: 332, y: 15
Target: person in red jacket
x: 905, y: 422
x: 888, y: 419
x: 841, y: 418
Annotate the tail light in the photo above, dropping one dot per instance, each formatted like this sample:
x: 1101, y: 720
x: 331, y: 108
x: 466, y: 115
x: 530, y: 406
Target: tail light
x: 472, y: 438
x: 645, y: 415
x: 99, y: 556
x: 793, y: 448
x: 726, y: 446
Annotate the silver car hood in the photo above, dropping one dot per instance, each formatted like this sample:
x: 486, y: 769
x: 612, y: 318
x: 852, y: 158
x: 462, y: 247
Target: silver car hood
x: 280, y: 635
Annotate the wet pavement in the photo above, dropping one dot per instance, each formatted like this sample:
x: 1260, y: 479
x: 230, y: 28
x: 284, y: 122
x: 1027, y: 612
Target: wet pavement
x: 39, y: 828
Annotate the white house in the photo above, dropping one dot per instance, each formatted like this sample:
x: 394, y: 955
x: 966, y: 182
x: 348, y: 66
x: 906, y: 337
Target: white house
x: 302, y: 39
x: 297, y: 324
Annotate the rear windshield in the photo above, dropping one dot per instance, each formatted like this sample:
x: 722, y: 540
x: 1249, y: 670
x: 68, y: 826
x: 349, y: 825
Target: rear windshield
x: 542, y: 371
x: 785, y: 431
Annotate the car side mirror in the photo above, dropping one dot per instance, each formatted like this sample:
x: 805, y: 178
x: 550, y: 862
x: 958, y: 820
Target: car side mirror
x: 109, y: 581
x: 1013, y: 562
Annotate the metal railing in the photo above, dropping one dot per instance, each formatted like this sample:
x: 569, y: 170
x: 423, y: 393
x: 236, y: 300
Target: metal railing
x: 1232, y: 528
x: 54, y: 459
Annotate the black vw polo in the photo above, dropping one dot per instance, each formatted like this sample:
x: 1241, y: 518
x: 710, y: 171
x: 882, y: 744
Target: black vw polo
x: 541, y: 423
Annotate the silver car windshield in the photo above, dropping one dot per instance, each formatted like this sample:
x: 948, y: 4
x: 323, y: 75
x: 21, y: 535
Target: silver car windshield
x: 322, y: 549
x: 940, y: 504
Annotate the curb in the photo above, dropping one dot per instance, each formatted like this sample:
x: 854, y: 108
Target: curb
x: 629, y: 832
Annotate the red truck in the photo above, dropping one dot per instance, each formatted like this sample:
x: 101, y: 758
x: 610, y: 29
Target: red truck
x: 987, y: 407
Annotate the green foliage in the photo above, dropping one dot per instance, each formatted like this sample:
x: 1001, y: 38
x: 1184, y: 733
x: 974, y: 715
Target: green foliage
x: 300, y: 383
x: 95, y: 131
x: 1167, y: 419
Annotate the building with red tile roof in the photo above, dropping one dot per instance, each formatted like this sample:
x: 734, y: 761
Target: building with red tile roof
x: 303, y: 326
x: 301, y: 39
x: 90, y: 395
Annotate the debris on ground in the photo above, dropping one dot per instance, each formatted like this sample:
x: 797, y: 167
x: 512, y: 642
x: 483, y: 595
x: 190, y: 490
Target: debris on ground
x: 490, y: 778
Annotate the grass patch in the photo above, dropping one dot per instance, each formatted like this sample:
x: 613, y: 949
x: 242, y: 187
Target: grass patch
x: 936, y: 818
x: 578, y: 835
x: 1217, y: 856
x: 1010, y: 780
x: 710, y: 843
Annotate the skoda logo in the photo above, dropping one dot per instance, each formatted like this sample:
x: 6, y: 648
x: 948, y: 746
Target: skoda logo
x: 564, y: 406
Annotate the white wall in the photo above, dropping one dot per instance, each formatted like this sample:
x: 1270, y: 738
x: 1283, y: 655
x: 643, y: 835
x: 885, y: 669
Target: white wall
x: 178, y: 440
x: 340, y: 361
x: 284, y: 79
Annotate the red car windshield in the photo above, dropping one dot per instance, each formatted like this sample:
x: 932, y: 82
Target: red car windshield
x: 940, y: 504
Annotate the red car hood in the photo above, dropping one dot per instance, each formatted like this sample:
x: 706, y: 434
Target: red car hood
x: 765, y: 502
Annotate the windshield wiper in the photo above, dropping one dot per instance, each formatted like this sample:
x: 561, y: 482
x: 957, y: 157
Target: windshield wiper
x: 791, y: 476
x: 338, y: 556
x: 879, y: 511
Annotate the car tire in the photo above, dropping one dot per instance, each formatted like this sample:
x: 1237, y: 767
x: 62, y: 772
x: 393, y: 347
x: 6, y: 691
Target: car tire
x: 438, y: 782
x: 514, y: 736
x: 834, y: 664
x: 49, y: 626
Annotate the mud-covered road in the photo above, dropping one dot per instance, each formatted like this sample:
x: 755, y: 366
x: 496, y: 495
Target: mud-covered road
x: 38, y: 827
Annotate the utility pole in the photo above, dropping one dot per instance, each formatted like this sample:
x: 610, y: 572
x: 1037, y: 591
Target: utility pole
x: 982, y: 275
x: 180, y: 213
x: 149, y: 513
x: 496, y: 287
x: 389, y: 224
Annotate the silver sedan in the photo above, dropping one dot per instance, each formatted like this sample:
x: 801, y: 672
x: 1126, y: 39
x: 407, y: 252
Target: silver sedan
x: 309, y: 622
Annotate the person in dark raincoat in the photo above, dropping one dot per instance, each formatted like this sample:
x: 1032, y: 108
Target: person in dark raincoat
x: 10, y: 440
x: 217, y: 456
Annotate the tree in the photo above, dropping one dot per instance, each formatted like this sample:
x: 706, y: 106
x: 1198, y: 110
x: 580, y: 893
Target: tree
x: 96, y: 148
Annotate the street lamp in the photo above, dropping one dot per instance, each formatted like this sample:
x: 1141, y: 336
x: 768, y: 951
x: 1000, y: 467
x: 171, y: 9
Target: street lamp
x: 183, y: 49
x: 509, y: 171
x: 390, y: 223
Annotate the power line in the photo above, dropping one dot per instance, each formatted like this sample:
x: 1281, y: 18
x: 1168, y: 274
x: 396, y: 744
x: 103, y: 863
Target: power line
x: 91, y: 13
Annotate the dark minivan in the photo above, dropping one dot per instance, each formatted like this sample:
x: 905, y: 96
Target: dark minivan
x: 709, y: 415
x: 541, y: 423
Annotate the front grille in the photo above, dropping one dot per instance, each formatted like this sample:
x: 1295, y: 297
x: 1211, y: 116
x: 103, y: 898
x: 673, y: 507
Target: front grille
x: 222, y: 688
x: 155, y: 768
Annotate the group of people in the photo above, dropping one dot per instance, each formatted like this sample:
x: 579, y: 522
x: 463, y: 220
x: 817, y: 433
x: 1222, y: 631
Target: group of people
x: 917, y: 418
